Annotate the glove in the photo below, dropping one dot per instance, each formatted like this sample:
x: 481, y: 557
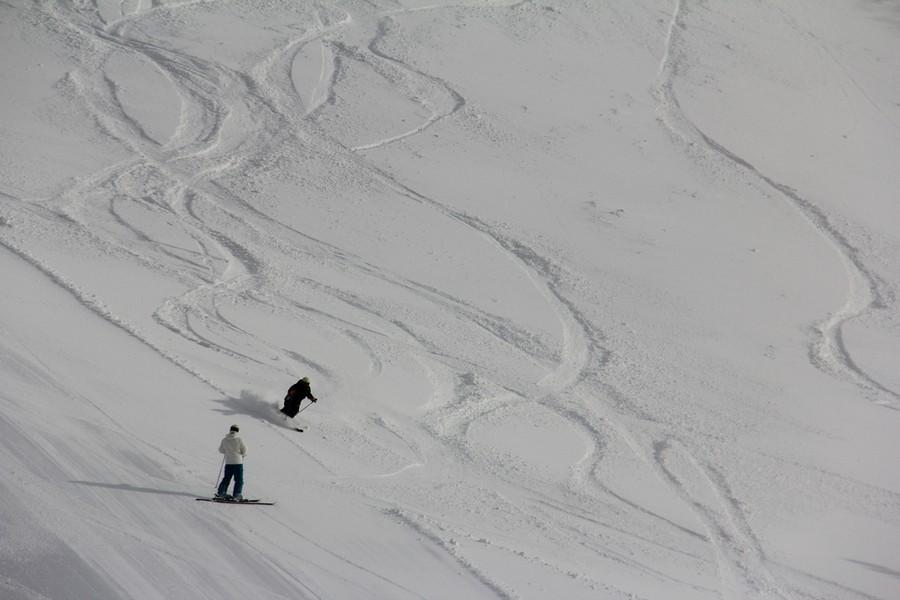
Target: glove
x: 313, y: 399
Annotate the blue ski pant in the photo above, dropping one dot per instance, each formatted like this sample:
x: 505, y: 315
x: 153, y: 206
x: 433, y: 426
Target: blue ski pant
x: 236, y: 471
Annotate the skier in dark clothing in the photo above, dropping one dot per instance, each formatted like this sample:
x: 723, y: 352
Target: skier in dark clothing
x: 295, y: 395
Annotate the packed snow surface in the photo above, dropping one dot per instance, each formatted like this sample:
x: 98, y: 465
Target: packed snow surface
x: 599, y: 298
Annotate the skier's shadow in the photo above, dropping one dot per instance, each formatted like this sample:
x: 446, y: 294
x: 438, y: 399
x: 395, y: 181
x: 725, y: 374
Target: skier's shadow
x: 249, y: 404
x: 125, y: 487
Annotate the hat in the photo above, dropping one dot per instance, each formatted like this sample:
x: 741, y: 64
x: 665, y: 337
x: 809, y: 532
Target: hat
x: 235, y: 428
x: 306, y: 379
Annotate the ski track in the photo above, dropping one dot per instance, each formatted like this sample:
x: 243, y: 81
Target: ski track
x: 449, y: 546
x: 866, y: 292
x: 101, y: 310
x: 343, y: 559
x: 457, y: 101
x: 743, y: 567
x: 743, y: 570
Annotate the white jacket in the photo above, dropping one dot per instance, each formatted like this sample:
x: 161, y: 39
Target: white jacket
x: 233, y: 448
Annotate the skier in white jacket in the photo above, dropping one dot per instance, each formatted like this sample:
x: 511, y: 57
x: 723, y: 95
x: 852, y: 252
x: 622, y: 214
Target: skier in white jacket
x: 233, y: 448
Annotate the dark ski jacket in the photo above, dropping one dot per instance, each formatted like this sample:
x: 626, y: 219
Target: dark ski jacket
x: 295, y: 395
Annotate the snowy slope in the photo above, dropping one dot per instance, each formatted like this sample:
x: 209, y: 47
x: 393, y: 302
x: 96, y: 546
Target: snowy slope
x: 599, y: 298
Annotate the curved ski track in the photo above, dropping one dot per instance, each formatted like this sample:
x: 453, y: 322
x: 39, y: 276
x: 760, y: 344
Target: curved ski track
x: 744, y: 569
x: 866, y: 292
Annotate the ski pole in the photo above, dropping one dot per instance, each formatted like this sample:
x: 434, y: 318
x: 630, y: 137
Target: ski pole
x: 304, y: 408
x: 219, y: 476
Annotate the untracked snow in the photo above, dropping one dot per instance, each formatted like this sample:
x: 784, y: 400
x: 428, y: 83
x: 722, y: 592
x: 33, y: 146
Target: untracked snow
x: 599, y: 299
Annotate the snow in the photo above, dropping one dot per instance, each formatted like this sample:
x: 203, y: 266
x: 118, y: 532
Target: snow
x: 599, y: 299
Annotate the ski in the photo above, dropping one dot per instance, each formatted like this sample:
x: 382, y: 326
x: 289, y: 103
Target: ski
x: 290, y: 423
x: 256, y: 501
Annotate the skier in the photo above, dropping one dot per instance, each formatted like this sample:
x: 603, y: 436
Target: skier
x: 233, y: 448
x: 295, y: 395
